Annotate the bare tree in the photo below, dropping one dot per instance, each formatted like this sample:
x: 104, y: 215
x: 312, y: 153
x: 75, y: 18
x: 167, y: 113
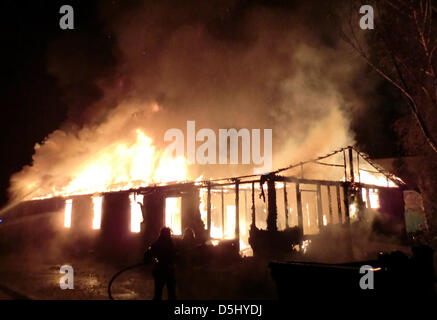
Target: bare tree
x: 405, y: 35
x: 402, y: 49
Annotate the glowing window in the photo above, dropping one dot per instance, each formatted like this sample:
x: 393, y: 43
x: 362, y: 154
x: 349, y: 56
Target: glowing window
x: 173, y: 214
x: 136, y: 216
x: 67, y: 214
x: 97, y: 209
x: 230, y: 222
x: 371, y: 197
x: 374, y: 198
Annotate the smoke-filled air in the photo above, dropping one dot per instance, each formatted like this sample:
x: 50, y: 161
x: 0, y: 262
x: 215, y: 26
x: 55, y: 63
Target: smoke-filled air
x: 269, y: 69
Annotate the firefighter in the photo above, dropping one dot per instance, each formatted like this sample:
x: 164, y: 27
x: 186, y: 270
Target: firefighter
x: 188, y: 248
x: 163, y: 253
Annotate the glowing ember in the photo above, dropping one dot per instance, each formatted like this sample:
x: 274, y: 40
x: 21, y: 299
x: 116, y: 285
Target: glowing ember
x: 305, y: 244
x: 353, y: 210
x: 97, y: 209
x: 245, y: 248
x: 67, y: 214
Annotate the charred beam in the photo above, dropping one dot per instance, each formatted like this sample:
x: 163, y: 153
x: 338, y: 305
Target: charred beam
x: 253, y: 205
x: 368, y: 198
x: 299, y: 207
x: 340, y: 216
x: 223, y: 213
x: 319, y: 207
x: 272, y: 214
x: 286, y: 205
x: 329, y: 204
x: 346, y: 188
x: 208, y: 210
x: 351, y: 165
x: 237, y: 213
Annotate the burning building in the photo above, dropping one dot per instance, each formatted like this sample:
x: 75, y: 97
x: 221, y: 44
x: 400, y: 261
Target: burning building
x: 255, y: 214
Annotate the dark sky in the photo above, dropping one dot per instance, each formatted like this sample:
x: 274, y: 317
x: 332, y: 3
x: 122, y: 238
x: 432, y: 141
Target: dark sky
x: 35, y: 102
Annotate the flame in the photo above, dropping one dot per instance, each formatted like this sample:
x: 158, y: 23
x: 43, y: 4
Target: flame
x: 375, y: 179
x: 353, y: 211
x: 120, y: 166
x: 173, y: 214
x: 216, y: 232
x: 202, y: 206
x: 230, y: 222
x: 214, y: 242
x: 303, y: 246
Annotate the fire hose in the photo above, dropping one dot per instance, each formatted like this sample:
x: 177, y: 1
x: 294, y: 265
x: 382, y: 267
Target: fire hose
x: 119, y: 273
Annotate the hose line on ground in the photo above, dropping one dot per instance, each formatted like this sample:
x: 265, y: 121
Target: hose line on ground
x: 119, y: 273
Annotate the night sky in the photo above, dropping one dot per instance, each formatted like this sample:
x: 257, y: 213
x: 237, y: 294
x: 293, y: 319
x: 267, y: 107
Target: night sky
x: 35, y: 102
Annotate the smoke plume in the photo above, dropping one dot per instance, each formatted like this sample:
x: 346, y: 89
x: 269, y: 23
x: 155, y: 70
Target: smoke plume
x: 224, y: 64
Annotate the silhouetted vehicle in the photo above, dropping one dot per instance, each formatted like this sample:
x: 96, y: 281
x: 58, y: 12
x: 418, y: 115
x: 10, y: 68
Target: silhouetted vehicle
x: 395, y: 275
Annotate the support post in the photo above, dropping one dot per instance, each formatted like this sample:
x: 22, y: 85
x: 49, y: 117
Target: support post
x: 237, y: 213
x: 208, y: 210
x: 340, y: 216
x: 299, y: 207
x: 223, y: 213
x: 329, y: 203
x: 286, y: 205
x: 351, y: 165
x: 245, y: 208
x: 272, y: 214
x: 345, y: 166
x: 319, y: 207
x: 253, y: 205
x: 368, y: 198
x: 358, y: 167
x: 346, y: 187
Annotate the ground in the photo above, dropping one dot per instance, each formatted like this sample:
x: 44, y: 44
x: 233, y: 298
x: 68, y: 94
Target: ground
x: 38, y: 278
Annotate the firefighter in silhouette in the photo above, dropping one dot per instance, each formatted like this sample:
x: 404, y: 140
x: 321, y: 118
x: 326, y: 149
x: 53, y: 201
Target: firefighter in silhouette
x: 188, y: 247
x: 163, y: 253
x: 189, y: 238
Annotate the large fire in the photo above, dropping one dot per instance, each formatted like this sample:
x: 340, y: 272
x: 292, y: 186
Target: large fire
x: 124, y: 165
x: 121, y: 166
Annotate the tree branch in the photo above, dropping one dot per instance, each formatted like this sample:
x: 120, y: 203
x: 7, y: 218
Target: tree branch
x: 402, y: 86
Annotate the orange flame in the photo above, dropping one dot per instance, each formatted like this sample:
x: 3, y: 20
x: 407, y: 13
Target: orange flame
x: 121, y: 166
